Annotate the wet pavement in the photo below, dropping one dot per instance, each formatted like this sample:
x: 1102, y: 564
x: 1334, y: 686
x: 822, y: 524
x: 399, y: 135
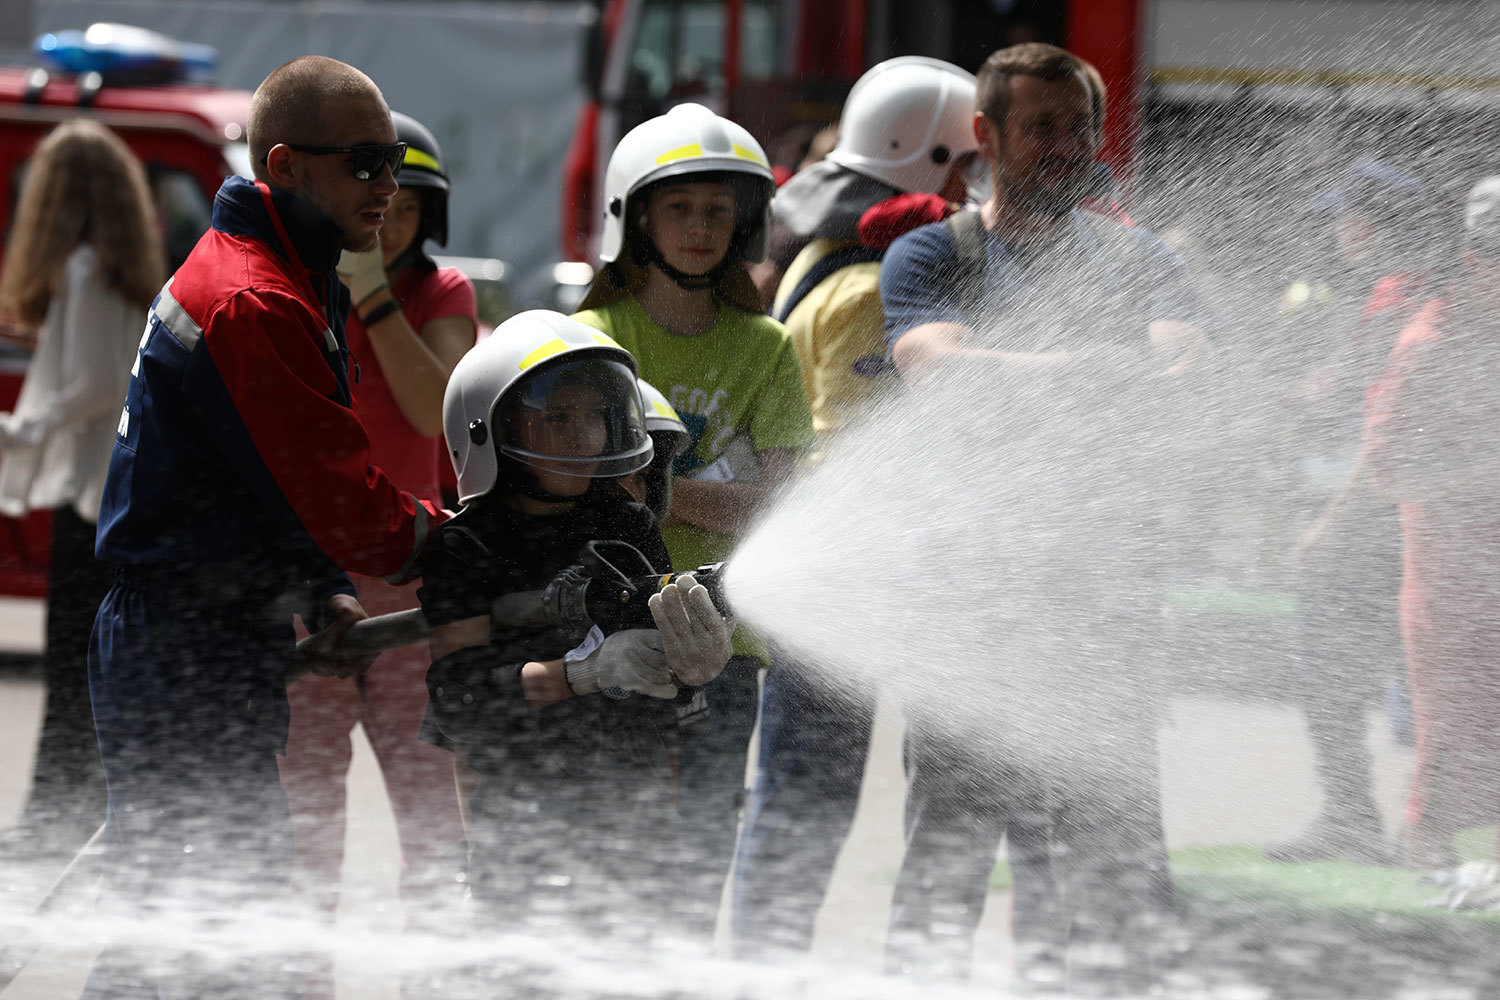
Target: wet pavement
x: 1235, y: 772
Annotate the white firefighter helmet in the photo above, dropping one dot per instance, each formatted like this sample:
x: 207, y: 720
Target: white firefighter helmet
x: 905, y: 122
x: 670, y: 438
x: 497, y: 398
x: 689, y: 139
x: 661, y: 418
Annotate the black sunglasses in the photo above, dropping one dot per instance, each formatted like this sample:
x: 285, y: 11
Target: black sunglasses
x: 367, y: 159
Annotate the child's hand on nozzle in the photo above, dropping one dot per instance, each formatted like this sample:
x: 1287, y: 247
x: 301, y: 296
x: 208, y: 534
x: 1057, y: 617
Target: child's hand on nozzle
x: 628, y: 661
x: 694, y: 634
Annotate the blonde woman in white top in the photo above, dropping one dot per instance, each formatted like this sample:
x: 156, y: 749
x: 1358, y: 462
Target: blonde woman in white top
x: 81, y: 266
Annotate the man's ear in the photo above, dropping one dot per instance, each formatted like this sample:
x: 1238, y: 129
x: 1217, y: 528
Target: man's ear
x: 983, y: 130
x: 282, y: 167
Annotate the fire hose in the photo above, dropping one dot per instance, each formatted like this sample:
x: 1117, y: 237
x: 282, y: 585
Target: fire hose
x: 609, y: 586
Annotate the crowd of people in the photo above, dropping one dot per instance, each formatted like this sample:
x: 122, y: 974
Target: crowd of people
x: 308, y: 369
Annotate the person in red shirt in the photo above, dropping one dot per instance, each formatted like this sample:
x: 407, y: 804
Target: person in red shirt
x: 1430, y: 444
x: 1348, y: 553
x: 410, y: 324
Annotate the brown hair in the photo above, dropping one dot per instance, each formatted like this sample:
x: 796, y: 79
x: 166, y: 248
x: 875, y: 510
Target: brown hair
x: 82, y: 186
x: 1039, y: 60
x: 288, y: 105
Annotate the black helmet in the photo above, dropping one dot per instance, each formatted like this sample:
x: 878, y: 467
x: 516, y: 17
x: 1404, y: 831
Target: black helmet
x: 424, y: 168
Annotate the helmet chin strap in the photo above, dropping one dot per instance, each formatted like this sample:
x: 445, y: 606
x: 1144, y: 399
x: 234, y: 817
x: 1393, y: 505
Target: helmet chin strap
x: 685, y: 281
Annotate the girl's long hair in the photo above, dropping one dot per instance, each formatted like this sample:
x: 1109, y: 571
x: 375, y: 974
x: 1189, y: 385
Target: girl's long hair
x: 82, y: 186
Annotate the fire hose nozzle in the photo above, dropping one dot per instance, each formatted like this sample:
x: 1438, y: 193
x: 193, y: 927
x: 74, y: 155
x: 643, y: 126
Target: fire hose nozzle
x: 711, y: 576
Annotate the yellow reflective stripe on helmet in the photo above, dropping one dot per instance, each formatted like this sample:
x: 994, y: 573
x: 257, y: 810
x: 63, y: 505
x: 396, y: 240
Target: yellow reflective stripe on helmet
x: 746, y: 153
x: 606, y: 340
x: 547, y: 350
x: 680, y: 153
x: 416, y: 158
x: 662, y: 409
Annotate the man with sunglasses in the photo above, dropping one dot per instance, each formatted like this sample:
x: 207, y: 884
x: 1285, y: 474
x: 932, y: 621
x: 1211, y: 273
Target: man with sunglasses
x: 240, y: 490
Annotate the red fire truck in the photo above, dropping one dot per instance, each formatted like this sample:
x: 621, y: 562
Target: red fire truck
x: 775, y: 64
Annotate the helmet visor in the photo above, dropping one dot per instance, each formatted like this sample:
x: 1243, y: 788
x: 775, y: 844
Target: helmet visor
x: 577, y: 417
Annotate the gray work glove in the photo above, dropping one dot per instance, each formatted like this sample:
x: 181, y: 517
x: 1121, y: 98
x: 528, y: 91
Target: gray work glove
x: 693, y: 633
x: 626, y: 662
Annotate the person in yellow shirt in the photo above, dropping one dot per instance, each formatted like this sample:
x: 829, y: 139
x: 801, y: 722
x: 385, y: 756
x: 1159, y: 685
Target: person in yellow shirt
x: 906, y: 130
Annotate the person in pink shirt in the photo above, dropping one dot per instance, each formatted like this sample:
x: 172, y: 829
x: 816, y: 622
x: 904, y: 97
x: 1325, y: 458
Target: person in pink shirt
x: 410, y: 323
x: 1431, y: 445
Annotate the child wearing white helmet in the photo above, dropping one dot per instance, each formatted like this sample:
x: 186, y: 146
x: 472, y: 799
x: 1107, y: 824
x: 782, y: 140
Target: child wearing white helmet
x: 686, y: 203
x: 560, y: 738
x: 652, y: 486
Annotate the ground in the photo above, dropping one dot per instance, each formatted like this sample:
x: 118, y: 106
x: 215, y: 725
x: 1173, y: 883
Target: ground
x: 1237, y: 775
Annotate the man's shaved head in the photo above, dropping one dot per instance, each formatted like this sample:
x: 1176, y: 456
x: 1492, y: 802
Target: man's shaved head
x: 289, y: 106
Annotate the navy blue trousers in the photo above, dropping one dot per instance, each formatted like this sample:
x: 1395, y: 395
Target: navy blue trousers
x: 190, y: 711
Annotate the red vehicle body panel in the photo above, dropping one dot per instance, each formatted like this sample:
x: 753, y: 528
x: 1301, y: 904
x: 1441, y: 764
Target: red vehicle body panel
x: 831, y: 46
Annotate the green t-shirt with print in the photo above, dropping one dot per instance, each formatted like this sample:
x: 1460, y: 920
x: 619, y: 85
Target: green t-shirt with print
x: 738, y: 387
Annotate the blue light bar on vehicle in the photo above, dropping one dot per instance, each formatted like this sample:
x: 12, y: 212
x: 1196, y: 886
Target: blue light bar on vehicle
x: 122, y: 53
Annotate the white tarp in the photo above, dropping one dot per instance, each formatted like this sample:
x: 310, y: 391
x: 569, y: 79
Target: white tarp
x: 500, y: 84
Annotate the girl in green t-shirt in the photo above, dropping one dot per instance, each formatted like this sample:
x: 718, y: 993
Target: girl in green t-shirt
x: 687, y: 204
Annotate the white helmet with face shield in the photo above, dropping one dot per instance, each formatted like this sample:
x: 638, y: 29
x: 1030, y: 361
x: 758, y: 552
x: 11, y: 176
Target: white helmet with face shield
x: 663, y: 423
x: 669, y: 438
x: 548, y: 393
x: 690, y: 141
x: 906, y: 122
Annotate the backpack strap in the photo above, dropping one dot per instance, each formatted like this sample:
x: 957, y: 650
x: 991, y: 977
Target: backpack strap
x: 826, y: 265
x: 967, y: 230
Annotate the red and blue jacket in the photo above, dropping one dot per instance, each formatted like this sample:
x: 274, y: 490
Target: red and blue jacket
x: 237, y: 451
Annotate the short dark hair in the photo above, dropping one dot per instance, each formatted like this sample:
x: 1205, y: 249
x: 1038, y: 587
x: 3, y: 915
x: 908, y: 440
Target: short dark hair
x: 1039, y: 60
x: 288, y: 105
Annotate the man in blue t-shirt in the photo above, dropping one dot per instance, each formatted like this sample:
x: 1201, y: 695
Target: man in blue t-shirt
x: 1078, y: 331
